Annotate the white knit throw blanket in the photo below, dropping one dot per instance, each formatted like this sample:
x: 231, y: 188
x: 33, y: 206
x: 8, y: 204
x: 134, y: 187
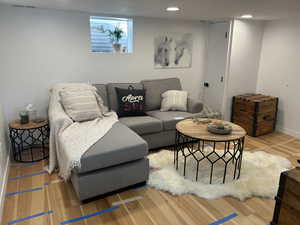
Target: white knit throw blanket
x: 70, y: 140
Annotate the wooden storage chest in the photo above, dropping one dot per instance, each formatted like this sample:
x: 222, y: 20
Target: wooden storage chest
x: 256, y: 113
x: 287, y: 207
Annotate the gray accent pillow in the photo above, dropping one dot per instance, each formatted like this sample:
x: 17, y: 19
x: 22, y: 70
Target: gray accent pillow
x: 155, y: 88
x: 112, y: 93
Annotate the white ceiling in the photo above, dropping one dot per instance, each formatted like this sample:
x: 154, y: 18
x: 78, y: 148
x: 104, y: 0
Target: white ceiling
x: 191, y: 9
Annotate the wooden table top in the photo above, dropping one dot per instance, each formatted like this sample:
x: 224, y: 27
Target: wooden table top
x: 15, y: 124
x: 199, y: 130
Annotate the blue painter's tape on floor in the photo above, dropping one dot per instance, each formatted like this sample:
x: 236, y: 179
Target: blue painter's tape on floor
x: 22, y: 165
x: 29, y: 217
x: 90, y: 215
x: 225, y: 219
x: 27, y: 175
x: 24, y: 191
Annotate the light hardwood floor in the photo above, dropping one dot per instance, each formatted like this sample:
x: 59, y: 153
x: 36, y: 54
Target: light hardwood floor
x: 154, y: 208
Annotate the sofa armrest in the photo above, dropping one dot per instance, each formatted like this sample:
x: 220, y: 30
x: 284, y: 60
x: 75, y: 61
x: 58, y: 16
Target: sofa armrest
x: 194, y: 106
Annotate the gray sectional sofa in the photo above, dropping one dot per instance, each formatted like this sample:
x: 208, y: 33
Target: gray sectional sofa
x: 119, y: 159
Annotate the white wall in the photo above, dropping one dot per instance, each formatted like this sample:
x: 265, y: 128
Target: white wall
x: 244, y: 60
x: 279, y: 72
x: 41, y: 47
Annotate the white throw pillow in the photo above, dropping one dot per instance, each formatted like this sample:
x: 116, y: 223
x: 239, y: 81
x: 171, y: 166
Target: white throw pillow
x: 174, y: 100
x: 80, y: 105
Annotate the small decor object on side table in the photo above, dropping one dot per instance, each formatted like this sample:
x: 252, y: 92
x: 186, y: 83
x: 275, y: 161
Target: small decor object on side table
x: 24, y: 117
x: 30, y: 141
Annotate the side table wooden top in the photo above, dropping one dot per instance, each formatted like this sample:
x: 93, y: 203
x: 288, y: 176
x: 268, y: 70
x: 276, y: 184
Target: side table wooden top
x: 199, y: 130
x: 15, y: 124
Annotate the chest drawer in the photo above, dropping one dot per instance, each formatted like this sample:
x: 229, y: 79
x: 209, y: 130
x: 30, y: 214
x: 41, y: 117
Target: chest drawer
x: 250, y: 117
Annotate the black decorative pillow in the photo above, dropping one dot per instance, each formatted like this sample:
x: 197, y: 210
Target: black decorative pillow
x: 131, y: 101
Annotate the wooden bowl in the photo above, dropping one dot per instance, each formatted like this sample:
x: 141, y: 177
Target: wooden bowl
x: 217, y: 128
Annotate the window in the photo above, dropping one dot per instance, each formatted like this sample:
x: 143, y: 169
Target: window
x: 101, y: 41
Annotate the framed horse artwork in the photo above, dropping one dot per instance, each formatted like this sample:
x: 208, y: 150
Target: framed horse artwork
x: 173, y: 51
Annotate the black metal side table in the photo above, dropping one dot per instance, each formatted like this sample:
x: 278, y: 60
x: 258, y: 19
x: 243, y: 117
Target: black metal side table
x: 192, y: 138
x: 30, y: 142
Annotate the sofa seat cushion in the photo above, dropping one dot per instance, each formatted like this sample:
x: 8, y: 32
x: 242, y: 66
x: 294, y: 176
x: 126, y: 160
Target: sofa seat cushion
x: 119, y: 145
x: 169, y: 118
x: 143, y: 124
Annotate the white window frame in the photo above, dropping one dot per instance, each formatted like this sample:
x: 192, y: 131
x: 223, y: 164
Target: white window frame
x: 129, y: 32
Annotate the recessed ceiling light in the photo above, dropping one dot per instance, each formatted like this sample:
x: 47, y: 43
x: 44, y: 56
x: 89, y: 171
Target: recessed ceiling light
x: 173, y: 8
x: 247, y: 16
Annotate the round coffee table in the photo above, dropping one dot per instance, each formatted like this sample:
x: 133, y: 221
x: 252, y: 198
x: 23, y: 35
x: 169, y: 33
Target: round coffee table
x: 192, y: 137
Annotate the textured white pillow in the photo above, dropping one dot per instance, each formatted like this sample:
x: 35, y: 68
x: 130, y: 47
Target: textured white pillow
x: 173, y: 100
x: 80, y: 105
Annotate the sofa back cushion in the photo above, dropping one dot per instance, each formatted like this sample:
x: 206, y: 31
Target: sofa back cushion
x: 112, y: 93
x: 155, y: 88
x: 102, y: 92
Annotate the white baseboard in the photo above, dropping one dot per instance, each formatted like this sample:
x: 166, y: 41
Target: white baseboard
x: 288, y: 131
x: 3, y: 188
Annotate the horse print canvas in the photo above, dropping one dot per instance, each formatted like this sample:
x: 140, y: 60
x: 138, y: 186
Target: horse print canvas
x: 173, y: 51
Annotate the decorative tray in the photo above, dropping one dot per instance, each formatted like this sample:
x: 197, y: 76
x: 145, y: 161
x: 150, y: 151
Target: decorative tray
x: 219, y: 128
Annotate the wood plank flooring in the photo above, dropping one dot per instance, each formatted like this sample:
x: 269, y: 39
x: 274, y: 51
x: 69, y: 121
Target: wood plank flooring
x: 48, y: 194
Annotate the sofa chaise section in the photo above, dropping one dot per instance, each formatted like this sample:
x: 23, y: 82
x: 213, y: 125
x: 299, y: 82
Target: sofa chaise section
x: 119, y: 145
x: 116, y: 161
x: 110, y: 179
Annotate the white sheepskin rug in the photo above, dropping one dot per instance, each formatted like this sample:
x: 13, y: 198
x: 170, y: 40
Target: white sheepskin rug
x: 260, y: 175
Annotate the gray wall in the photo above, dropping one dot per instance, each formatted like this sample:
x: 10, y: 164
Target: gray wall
x: 41, y: 47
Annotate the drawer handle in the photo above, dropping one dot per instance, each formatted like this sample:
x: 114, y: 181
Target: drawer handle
x: 243, y: 110
x: 268, y: 118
